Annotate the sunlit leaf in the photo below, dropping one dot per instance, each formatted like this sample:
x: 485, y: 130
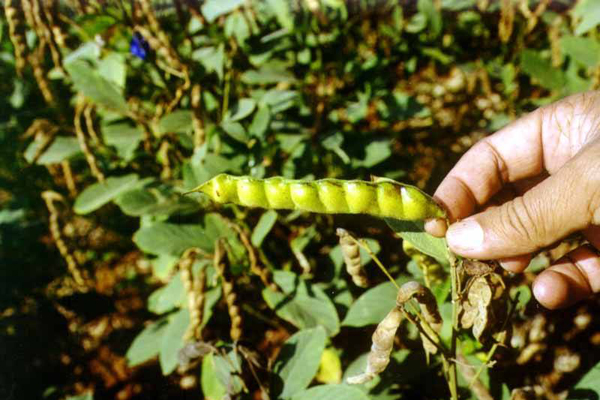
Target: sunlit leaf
x: 100, y: 193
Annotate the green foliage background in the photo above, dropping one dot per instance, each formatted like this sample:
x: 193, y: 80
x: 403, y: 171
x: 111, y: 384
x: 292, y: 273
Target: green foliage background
x: 304, y: 90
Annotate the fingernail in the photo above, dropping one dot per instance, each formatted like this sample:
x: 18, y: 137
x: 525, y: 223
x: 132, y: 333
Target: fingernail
x: 465, y: 235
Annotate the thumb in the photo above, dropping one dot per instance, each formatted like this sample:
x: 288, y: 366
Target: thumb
x: 566, y: 202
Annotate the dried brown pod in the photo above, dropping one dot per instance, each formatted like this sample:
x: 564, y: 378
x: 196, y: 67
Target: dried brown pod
x: 482, y: 306
x: 429, y: 311
x: 351, y: 254
x: 195, y: 288
x: 79, y: 275
x: 507, y: 19
x: 14, y: 19
x: 220, y: 264
x: 89, y: 155
x: 383, y: 343
x: 478, y: 268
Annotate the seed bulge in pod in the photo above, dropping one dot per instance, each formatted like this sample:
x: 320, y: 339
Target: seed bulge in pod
x: 278, y: 193
x: 222, y: 189
x: 361, y: 198
x: 332, y: 196
x: 306, y: 197
x: 414, y: 203
x: 389, y: 197
x: 251, y: 193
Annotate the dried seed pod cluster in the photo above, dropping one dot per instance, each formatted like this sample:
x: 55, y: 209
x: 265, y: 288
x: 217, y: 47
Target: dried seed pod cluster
x: 482, y: 309
x: 383, y: 198
x: 351, y: 254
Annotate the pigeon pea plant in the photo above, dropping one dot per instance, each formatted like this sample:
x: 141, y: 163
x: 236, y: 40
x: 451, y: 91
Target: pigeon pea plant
x: 472, y: 289
x: 116, y: 109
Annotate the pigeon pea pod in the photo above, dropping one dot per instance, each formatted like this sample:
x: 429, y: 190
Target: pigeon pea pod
x: 382, y: 198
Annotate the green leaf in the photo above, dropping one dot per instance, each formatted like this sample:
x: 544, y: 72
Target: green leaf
x: 282, y: 11
x: 541, y: 70
x: 302, y: 304
x: 112, y: 68
x: 373, y: 305
x: 98, y: 194
x: 175, y: 122
x: 279, y: 100
x: 98, y: 89
x: 585, y: 51
x: 331, y: 392
x: 240, y: 110
x: 434, y: 17
x: 212, y: 388
x: 589, y: 12
x: 298, y: 361
x: 172, y: 340
x: 168, y: 297
x: 212, y: 9
x: 61, y: 149
x: 260, y: 122
x: 141, y: 201
x: 263, y: 227
x: 235, y: 130
x: 414, y: 232
x: 588, y: 386
x: 375, y: 153
x: 124, y: 137
x: 83, y: 396
x: 267, y: 75
x: 212, y: 58
x: 236, y: 25
x: 146, y: 344
x: 174, y: 239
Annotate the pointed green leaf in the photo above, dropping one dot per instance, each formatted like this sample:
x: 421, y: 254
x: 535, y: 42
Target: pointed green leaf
x: 61, y: 149
x: 298, y: 361
x: 263, y: 227
x: 260, y: 122
x: 98, y: 194
x: 414, y: 232
x: 146, y: 344
x: 172, y: 340
x: 373, y: 305
x: 98, y: 89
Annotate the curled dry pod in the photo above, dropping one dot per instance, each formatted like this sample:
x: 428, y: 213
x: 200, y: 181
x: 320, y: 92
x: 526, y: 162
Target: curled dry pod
x: 383, y: 342
x: 383, y: 198
x: 351, y: 254
x: 429, y: 310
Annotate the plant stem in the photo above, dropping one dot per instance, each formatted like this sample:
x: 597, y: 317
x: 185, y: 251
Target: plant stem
x: 452, y: 379
x: 366, y: 247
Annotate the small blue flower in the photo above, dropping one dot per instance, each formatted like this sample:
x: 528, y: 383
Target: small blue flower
x: 139, y: 46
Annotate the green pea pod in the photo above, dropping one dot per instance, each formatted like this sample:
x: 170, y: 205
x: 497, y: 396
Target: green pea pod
x: 383, y: 198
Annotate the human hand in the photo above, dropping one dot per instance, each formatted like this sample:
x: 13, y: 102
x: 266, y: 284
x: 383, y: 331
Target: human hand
x: 536, y: 181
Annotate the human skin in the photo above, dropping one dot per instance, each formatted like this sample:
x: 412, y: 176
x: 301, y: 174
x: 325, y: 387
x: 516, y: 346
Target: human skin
x: 526, y: 187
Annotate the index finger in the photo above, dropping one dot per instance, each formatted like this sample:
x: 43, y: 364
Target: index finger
x: 513, y: 153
